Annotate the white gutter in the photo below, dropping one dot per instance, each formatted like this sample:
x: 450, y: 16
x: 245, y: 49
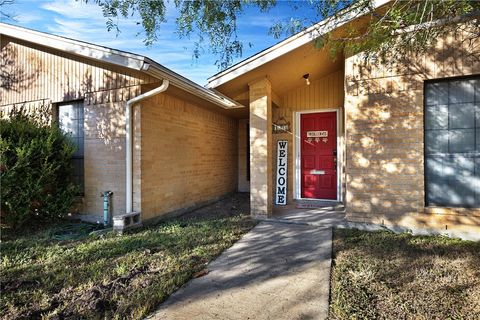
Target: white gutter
x: 160, y: 72
x: 129, y: 141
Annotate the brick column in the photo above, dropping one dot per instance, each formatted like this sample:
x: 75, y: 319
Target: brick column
x: 261, y: 189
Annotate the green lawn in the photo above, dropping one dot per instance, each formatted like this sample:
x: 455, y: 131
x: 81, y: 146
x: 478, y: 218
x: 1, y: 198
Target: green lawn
x: 382, y: 275
x: 112, y: 277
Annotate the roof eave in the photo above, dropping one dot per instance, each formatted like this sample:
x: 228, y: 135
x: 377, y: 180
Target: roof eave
x: 158, y: 71
x: 118, y: 58
x: 75, y: 47
x: 285, y: 46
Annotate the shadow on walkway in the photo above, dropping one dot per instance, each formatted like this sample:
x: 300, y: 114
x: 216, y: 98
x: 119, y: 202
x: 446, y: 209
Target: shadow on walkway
x: 276, y: 271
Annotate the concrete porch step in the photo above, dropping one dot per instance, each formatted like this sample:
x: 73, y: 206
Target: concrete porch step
x: 314, y: 204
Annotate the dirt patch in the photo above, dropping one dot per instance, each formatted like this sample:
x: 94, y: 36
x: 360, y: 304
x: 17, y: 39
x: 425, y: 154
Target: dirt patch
x: 233, y: 205
x: 100, y: 298
x: 70, y: 302
x: 54, y: 275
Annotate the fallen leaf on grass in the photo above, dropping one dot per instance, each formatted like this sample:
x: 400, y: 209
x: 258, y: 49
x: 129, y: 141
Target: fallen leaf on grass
x: 200, y: 273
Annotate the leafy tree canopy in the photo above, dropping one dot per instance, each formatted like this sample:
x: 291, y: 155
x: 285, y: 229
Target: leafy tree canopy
x: 403, y: 26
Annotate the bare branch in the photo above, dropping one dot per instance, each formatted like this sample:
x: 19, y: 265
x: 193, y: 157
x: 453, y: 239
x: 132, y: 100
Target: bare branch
x: 439, y: 23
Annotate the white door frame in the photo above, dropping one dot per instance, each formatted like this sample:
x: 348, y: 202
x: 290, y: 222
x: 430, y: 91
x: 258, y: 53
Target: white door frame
x: 297, y: 154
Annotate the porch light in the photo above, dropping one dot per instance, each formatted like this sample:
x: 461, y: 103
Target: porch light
x: 306, y: 76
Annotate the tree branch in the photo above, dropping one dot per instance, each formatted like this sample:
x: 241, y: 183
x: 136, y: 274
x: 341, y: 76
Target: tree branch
x: 438, y: 23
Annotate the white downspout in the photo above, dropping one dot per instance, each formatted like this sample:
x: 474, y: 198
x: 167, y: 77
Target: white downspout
x: 129, y: 141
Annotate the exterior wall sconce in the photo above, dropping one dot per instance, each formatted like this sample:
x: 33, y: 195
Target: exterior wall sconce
x: 306, y: 76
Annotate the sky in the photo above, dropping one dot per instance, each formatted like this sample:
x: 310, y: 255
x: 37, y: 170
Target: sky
x: 80, y: 21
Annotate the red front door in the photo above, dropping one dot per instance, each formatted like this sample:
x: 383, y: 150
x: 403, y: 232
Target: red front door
x: 319, y: 155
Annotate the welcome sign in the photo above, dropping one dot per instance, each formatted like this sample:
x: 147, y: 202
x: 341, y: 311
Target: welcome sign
x: 281, y: 190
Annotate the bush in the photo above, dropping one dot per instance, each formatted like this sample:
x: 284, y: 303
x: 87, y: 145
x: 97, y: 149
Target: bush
x: 36, y: 171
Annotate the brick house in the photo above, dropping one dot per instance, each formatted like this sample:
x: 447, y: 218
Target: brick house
x: 181, y: 145
x: 396, y: 146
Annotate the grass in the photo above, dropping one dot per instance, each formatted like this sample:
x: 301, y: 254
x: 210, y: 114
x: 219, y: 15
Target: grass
x: 382, y: 275
x: 112, y: 277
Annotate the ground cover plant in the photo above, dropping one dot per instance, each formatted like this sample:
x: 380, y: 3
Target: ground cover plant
x: 383, y: 275
x: 114, y: 276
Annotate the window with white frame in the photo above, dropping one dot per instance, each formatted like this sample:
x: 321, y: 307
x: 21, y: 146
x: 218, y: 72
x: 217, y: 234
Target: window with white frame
x: 452, y: 142
x: 70, y: 120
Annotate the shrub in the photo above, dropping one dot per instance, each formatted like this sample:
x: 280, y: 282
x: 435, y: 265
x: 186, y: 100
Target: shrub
x: 35, y: 166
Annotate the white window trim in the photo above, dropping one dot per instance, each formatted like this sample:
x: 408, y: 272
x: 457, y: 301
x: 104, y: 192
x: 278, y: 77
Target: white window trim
x: 297, y: 154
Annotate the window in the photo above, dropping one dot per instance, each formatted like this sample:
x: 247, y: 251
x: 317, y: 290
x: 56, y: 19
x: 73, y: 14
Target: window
x: 70, y: 120
x: 452, y: 143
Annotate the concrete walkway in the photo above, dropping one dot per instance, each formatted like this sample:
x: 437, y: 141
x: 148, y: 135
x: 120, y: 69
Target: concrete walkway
x: 317, y: 217
x: 276, y: 271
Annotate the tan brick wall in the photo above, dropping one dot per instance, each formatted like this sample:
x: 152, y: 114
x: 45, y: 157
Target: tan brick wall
x: 104, y: 156
x: 261, y: 167
x: 384, y: 125
x: 105, y: 153
x: 243, y: 141
x: 189, y: 155
x: 137, y: 158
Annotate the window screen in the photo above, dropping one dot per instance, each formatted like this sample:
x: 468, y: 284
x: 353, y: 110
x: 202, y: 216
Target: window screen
x: 70, y: 119
x: 452, y: 143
